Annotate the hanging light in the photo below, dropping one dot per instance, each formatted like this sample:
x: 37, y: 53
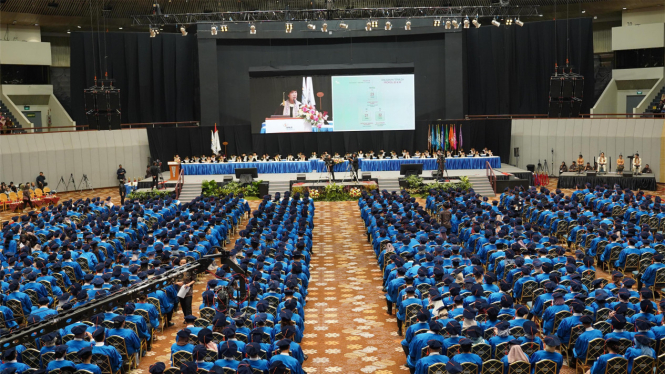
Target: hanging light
x: 289, y: 27
x: 467, y: 24
x: 213, y: 30
x: 375, y: 24
x: 368, y: 26
x: 437, y: 22
x: 448, y: 25
x: 407, y: 26
x: 519, y: 23
x: 183, y: 30
x: 495, y: 23
x: 455, y: 24
x: 389, y: 26
x: 252, y: 30
x: 223, y: 28
x: 153, y: 32
x: 324, y: 27
x: 476, y: 23
x: 509, y: 21
x: 311, y: 26
x: 343, y: 26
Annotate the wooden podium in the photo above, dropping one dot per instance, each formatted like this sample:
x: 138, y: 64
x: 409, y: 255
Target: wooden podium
x: 174, y: 170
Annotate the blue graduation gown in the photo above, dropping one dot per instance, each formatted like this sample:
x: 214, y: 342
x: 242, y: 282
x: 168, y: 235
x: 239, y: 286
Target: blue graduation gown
x: 582, y: 344
x: 94, y: 369
x: 177, y: 348
x: 132, y: 341
x: 19, y: 366
x: 114, y: 356
x: 76, y: 345
x: 600, y: 365
x: 563, y: 332
x: 424, y: 363
x: 289, y: 362
x: 57, y: 364
x: 233, y: 364
x: 470, y: 357
x: 633, y: 353
x: 258, y: 364
x: 544, y: 355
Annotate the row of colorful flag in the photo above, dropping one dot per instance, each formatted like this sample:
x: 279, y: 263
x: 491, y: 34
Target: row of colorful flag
x: 444, y: 137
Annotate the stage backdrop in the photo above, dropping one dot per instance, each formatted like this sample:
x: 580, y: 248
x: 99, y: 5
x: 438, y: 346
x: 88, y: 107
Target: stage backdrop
x: 167, y: 142
x: 509, y: 67
x: 157, y: 77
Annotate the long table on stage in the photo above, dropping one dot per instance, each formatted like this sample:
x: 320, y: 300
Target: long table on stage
x: 271, y: 167
x: 642, y: 182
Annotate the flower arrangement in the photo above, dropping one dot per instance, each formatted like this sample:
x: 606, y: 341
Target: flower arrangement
x: 314, y: 117
x: 338, y: 161
x: 354, y: 192
x: 314, y: 193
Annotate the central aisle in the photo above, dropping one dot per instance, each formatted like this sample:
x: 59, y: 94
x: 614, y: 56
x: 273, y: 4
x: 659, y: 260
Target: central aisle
x: 348, y: 330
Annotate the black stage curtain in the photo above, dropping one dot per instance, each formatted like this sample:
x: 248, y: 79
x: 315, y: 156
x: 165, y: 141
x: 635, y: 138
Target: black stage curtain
x: 508, y: 68
x: 167, y: 142
x: 157, y: 77
x: 634, y: 183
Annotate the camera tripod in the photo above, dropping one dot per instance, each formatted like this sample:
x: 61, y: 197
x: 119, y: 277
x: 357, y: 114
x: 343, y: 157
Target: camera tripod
x: 88, y: 184
x: 543, y: 168
x: 350, y: 173
x: 66, y: 184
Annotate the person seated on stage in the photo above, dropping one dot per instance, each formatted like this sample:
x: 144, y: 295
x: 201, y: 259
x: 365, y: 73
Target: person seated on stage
x: 620, y: 164
x: 253, y: 157
x: 486, y: 151
x: 203, y: 160
x: 489, y: 153
x: 404, y: 152
x: 407, y: 155
x: 472, y: 151
x: 449, y: 154
x: 176, y: 158
x: 289, y: 157
x: 426, y: 154
x: 647, y: 170
x: 313, y: 155
x: 637, y: 163
x: 476, y: 154
x: 381, y: 154
x: 186, y: 160
x: 417, y: 154
x: 265, y: 157
x: 573, y: 166
x: 563, y: 168
x: 461, y: 153
x: 278, y: 157
x: 302, y: 157
x: 602, y: 163
x: 370, y: 154
x: 360, y: 154
x: 336, y: 155
x: 588, y: 167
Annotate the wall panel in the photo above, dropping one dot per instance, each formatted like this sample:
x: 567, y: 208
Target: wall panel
x: 95, y: 153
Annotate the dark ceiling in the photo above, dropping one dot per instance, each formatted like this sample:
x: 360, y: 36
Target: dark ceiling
x: 61, y: 15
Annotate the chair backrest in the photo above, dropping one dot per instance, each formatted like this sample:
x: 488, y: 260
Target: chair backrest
x: 492, y: 367
x: 47, y: 357
x: 530, y: 348
x: 81, y: 371
x: 33, y: 295
x: 202, y: 322
x: 517, y: 331
x: 103, y: 362
x: 545, y: 367
x: 500, y: 350
x: 207, y: 313
x: 73, y: 357
x: 519, y: 367
x: 527, y: 290
x: 180, y: 357
x: 437, y: 368
x: 172, y: 370
x: 119, y: 343
x: 411, y: 314
x: 211, y: 356
x: 575, y: 333
x: 616, y: 365
x: 31, y: 358
x: 624, y: 344
x: 558, y: 317
x: 595, y: 349
x: 642, y: 365
x: 603, y: 326
x: 452, y: 350
x: 483, y: 350
x: 660, y: 364
x: 469, y: 368
x: 17, y: 308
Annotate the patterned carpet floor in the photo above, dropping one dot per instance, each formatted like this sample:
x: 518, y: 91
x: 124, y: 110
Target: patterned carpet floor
x: 347, y: 328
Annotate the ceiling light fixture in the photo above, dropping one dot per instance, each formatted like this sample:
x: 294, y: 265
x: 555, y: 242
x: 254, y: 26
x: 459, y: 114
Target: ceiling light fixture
x: 437, y: 22
x: 183, y: 30
x: 213, y: 30
x: 407, y: 26
x: 311, y: 26
x: 368, y: 26
x: 519, y: 23
x: 495, y: 23
x: 252, y: 30
x: 343, y: 26
x: 389, y: 26
x: 289, y: 27
x: 455, y: 24
x: 324, y: 27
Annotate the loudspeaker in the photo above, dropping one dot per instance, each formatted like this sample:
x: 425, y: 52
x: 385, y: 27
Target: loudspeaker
x: 531, y: 167
x: 367, y: 176
x: 554, y: 109
x: 263, y: 188
x: 567, y: 90
x: 114, y: 100
x: 301, y: 177
x: 555, y: 87
x: 627, y: 174
x: 91, y: 118
x: 90, y: 103
x: 590, y: 173
x: 579, y: 87
x: 102, y: 101
x: 566, y: 109
x: 575, y: 111
x: 114, y: 120
x: 516, y: 152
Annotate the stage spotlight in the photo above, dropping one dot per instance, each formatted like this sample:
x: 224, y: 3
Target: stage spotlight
x: 343, y: 26
x: 407, y: 26
x: 437, y: 22
x: 389, y: 26
x: 375, y: 24
x: 467, y: 24
x: 223, y: 28
x: 252, y: 30
x: 455, y: 24
x: 495, y: 23
x: 324, y: 27
x: 519, y: 23
x: 183, y: 31
x: 289, y: 27
x: 448, y: 25
x: 368, y: 26
x: 509, y: 21
x: 213, y: 30
x: 311, y: 26
x: 476, y: 23
x: 153, y: 32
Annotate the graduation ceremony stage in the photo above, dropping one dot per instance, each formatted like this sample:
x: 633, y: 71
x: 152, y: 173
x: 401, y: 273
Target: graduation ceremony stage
x: 642, y: 182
